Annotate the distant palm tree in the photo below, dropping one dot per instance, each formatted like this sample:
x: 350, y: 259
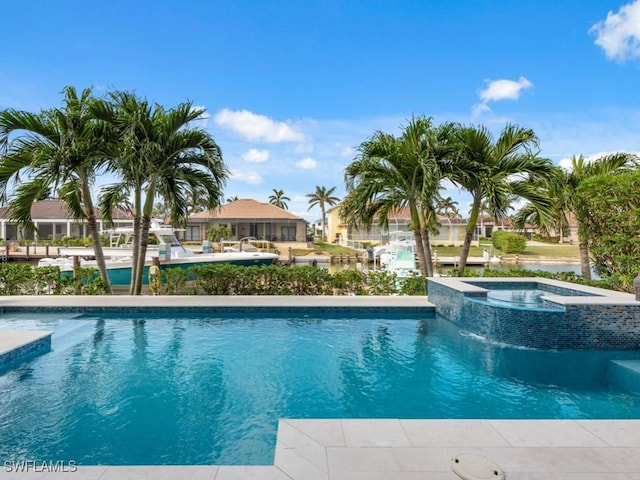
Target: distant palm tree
x: 232, y: 199
x: 321, y: 198
x: 61, y: 150
x: 447, y: 207
x: 279, y: 199
x: 556, y: 189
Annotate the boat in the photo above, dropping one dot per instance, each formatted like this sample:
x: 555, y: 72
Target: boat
x: 398, y: 256
x: 164, y: 245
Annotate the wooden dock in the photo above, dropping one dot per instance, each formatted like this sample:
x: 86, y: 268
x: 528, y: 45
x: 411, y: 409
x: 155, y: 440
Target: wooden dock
x: 27, y: 253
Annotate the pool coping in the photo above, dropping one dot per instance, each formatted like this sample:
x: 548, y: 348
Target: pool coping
x: 345, y: 449
x: 203, y: 301
x: 595, y: 295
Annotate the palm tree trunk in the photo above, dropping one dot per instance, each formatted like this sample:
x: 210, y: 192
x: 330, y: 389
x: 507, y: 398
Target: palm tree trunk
x: 584, y: 260
x: 417, y: 234
x: 147, y: 210
x: 323, y: 226
x: 468, y: 237
x: 95, y: 236
x: 584, y: 252
x: 136, y: 239
x: 135, y: 245
x: 97, y: 249
x: 426, y: 247
x: 144, y: 242
x: 424, y: 222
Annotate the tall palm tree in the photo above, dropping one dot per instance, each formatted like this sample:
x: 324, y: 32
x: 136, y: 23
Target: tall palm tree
x: 160, y: 154
x: 391, y: 173
x: 322, y: 198
x: 582, y: 170
x: 496, y: 171
x: 561, y: 188
x: 60, y: 149
x: 279, y: 199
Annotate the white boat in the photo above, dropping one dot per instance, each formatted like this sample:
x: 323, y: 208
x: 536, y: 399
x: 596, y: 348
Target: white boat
x: 163, y: 244
x: 399, y: 255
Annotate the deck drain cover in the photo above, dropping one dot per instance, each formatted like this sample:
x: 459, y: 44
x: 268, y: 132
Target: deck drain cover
x: 475, y: 467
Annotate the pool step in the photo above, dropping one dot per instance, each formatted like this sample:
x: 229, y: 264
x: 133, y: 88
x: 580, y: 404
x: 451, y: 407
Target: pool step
x: 625, y: 374
x: 18, y: 346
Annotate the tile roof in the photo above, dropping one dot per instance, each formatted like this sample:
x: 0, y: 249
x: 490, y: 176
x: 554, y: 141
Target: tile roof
x: 246, y: 208
x: 55, y: 209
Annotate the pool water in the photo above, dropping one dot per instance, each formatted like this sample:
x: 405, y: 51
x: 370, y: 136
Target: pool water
x: 209, y: 390
x: 520, y: 297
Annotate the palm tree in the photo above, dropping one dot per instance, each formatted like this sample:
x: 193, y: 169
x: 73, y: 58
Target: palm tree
x: 447, y: 207
x: 581, y: 170
x: 494, y: 172
x: 321, y: 198
x: 61, y: 149
x: 557, y: 191
x: 392, y: 173
x: 160, y: 155
x: 561, y: 188
x: 279, y: 199
x: 232, y: 199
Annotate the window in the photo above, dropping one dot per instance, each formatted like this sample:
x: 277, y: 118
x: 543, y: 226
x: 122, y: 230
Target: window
x: 192, y: 234
x: 260, y: 230
x: 288, y: 234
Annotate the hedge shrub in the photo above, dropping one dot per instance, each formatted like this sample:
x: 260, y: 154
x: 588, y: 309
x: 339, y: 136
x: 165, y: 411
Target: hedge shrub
x: 509, y: 242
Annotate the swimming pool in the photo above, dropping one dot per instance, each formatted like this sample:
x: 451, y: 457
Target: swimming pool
x: 202, y: 389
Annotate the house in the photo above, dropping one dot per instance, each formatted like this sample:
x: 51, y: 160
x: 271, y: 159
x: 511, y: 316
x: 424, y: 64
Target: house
x: 53, y: 220
x: 487, y: 224
x: 451, y: 230
x: 249, y: 218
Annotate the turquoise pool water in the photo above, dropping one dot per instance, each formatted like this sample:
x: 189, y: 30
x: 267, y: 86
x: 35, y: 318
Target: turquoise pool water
x: 197, y: 389
x: 522, y: 298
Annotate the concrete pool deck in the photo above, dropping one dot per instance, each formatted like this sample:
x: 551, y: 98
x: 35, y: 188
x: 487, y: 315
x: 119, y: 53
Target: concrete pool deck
x: 345, y: 449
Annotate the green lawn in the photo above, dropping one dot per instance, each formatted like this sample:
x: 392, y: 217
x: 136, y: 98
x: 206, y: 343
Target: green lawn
x: 329, y: 248
x: 553, y: 250
x: 535, y: 251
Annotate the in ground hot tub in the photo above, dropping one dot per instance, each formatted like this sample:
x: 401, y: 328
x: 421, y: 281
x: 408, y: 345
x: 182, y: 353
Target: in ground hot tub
x: 539, y: 313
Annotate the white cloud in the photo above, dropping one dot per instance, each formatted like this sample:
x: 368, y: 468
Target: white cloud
x: 307, y: 163
x: 478, y: 108
x: 203, y: 120
x: 619, y: 33
x: 348, y: 152
x: 504, y: 89
x: 250, y: 177
x: 497, y: 90
x: 253, y: 126
x: 303, y: 148
x: 254, y: 155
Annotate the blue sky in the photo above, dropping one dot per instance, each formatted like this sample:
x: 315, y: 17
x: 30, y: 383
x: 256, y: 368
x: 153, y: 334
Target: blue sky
x: 293, y: 87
